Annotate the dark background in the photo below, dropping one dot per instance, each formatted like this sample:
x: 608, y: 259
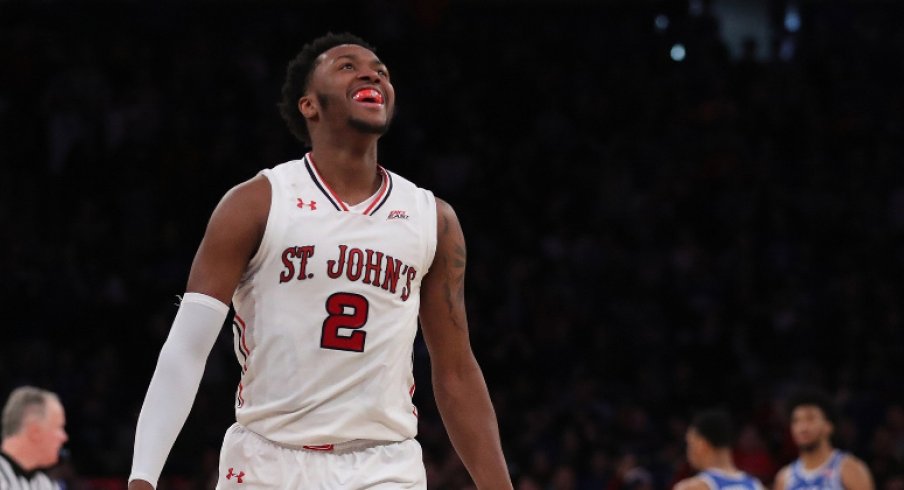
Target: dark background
x: 646, y: 236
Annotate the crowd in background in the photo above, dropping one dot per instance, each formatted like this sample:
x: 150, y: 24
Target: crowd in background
x: 646, y: 237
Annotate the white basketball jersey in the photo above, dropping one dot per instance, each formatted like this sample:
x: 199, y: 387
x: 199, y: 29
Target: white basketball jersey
x: 326, y: 313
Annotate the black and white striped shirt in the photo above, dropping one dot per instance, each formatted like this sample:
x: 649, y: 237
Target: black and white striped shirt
x: 13, y: 477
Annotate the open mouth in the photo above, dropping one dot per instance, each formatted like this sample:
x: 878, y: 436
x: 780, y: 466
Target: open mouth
x: 368, y: 95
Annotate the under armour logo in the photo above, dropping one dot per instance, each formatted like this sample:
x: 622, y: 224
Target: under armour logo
x: 238, y: 476
x: 311, y: 204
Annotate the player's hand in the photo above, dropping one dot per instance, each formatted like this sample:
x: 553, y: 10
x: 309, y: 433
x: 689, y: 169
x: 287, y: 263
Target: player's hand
x: 140, y: 485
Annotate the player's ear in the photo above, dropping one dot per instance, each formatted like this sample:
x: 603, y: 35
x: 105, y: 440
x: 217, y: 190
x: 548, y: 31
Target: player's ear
x: 307, y: 106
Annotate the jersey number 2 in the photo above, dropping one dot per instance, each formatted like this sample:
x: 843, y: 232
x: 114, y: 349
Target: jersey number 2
x: 346, y: 310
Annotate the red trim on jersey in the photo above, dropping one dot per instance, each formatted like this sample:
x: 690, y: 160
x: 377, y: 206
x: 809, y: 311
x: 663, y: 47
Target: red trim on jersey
x: 246, y: 351
x: 383, y: 187
x: 382, y: 194
x: 411, y: 390
x: 322, y: 447
x: 325, y: 185
x: 242, y: 343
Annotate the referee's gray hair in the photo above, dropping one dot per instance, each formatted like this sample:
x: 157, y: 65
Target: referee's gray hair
x: 23, y: 402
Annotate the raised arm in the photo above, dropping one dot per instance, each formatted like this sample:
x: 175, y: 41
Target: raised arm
x: 232, y: 237
x: 458, y: 384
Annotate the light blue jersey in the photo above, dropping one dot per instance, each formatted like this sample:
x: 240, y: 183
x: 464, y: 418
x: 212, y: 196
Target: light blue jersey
x: 825, y: 477
x: 718, y: 480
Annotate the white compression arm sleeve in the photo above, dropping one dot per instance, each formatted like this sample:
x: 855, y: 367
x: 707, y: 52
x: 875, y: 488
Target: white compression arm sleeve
x: 175, y: 382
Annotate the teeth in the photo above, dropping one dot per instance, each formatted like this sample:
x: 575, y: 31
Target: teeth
x: 369, y: 95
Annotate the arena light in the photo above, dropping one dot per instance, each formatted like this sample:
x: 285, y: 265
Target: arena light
x: 792, y: 18
x: 678, y: 52
x: 661, y: 22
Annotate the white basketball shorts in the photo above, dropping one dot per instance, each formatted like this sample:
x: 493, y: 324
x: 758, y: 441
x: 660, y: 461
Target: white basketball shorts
x: 248, y: 461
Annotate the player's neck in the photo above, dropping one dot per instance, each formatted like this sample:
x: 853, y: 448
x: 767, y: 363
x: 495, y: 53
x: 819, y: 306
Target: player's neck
x: 817, y: 457
x: 348, y: 148
x: 722, y: 461
x: 17, y: 449
x: 351, y: 171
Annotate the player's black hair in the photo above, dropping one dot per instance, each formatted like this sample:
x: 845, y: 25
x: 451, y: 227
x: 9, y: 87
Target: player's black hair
x: 298, y: 75
x: 812, y: 397
x: 715, y: 426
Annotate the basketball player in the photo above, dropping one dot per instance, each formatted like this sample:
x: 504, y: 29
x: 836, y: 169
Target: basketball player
x: 709, y: 439
x: 33, y: 433
x: 820, y: 466
x: 329, y: 262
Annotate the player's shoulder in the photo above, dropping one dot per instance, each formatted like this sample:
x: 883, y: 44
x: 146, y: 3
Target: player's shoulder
x: 254, y: 191
x: 849, y: 462
x: 403, y: 183
x: 446, y: 216
x: 288, y: 167
x: 850, y: 458
x: 245, y: 205
x: 443, y: 207
x: 692, y: 483
x: 855, y: 474
x: 261, y: 184
x: 409, y: 192
x: 781, y: 478
x: 282, y: 174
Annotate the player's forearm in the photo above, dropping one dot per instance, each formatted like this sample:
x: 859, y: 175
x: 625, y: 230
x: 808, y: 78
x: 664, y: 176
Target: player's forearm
x: 166, y: 406
x: 175, y: 383
x: 467, y: 412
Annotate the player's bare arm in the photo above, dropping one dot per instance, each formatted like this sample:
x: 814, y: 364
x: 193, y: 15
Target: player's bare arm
x: 855, y: 475
x: 458, y: 383
x: 693, y: 483
x: 232, y: 237
x: 781, y: 479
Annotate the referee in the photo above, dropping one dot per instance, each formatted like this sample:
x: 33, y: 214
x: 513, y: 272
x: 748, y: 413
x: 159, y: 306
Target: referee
x: 33, y: 432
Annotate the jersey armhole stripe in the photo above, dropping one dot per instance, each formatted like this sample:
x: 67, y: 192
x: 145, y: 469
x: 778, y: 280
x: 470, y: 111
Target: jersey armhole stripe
x: 431, y: 226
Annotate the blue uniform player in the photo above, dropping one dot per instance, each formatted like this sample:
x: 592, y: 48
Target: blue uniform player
x: 709, y: 438
x: 820, y: 466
